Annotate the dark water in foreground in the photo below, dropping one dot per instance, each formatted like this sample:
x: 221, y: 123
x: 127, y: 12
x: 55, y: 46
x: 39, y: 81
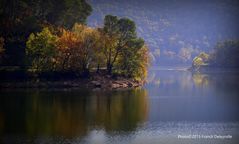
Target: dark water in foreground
x: 174, y: 103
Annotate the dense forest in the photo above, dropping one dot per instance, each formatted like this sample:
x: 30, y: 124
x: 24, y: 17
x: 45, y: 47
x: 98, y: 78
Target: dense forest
x: 175, y: 31
x: 52, y: 36
x: 19, y: 18
x: 224, y: 55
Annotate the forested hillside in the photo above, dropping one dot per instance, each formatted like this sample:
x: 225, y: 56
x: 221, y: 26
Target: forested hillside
x: 176, y: 31
x: 224, y: 56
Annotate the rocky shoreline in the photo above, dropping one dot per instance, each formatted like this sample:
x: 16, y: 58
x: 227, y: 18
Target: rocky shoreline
x: 94, y: 82
x: 106, y: 82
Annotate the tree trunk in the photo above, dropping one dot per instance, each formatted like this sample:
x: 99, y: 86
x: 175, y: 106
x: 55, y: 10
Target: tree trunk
x: 98, y: 68
x: 109, y: 68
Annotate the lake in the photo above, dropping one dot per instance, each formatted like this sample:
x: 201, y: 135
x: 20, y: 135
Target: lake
x: 175, y: 106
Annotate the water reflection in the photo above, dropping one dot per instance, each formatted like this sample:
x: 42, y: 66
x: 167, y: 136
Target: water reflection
x: 184, y: 96
x: 69, y: 114
x: 226, y: 82
x: 169, y: 82
x: 184, y: 83
x: 173, y: 102
x: 200, y: 79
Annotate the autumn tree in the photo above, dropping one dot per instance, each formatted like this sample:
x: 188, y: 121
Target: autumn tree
x: 79, y: 49
x: 88, y: 49
x: 201, y: 60
x: 67, y: 48
x: 41, y: 50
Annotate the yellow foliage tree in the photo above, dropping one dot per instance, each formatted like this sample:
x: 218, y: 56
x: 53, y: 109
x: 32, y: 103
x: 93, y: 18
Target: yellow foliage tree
x: 90, y: 45
x: 41, y: 50
x: 200, y: 60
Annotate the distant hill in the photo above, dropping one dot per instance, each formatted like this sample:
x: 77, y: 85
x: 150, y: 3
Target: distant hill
x: 176, y: 31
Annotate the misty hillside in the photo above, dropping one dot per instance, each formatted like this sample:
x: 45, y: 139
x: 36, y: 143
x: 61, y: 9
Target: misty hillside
x: 175, y: 31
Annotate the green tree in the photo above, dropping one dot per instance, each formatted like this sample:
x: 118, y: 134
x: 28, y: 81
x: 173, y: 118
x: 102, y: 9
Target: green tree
x: 133, y: 60
x: 98, y: 57
x: 41, y: 50
x: 120, y: 32
x: 125, y: 53
x: 110, y: 38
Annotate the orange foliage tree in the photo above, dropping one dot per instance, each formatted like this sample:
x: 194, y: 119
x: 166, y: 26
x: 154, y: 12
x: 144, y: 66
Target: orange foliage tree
x: 78, y: 49
x: 67, y: 47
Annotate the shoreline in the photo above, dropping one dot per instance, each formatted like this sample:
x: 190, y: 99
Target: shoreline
x: 96, y: 81
x: 208, y: 69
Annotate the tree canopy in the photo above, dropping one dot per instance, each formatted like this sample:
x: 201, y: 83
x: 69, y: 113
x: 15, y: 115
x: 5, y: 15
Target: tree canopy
x: 84, y: 49
x: 122, y: 48
x: 201, y: 59
x: 41, y: 50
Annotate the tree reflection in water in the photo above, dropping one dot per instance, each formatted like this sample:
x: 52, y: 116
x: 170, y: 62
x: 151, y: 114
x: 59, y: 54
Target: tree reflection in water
x: 223, y: 82
x: 71, y: 113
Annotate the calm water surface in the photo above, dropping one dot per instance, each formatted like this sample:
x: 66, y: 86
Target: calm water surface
x: 174, y: 102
